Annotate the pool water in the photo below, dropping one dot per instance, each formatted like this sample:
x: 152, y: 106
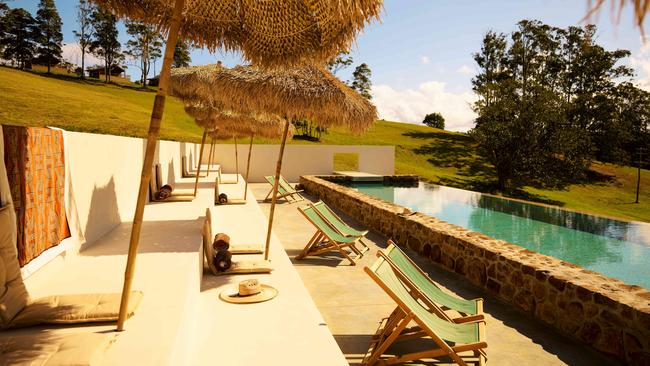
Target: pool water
x: 618, y: 249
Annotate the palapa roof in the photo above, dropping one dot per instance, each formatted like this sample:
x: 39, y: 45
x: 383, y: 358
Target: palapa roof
x: 224, y: 124
x: 307, y: 92
x: 269, y: 32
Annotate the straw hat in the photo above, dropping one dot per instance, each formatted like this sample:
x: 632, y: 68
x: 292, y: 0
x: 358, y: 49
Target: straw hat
x: 249, y: 291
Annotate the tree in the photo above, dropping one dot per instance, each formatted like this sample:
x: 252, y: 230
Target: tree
x: 50, y: 36
x: 435, y: 120
x: 361, y: 80
x: 4, y: 8
x: 19, y: 39
x: 105, y: 43
x: 523, y: 127
x: 340, y: 62
x: 84, y: 33
x: 145, y: 45
x: 182, y: 54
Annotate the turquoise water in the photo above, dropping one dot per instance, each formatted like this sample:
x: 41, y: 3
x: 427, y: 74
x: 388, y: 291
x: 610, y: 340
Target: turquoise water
x: 618, y: 249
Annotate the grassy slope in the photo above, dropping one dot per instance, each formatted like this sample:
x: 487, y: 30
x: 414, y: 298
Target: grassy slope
x: 437, y: 156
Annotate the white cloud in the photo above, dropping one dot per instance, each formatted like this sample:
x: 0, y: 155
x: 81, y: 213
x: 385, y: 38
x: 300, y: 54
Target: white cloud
x: 412, y: 105
x: 424, y: 60
x: 466, y: 70
x: 641, y: 63
x: 72, y: 54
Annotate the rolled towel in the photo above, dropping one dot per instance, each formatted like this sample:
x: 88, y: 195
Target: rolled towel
x: 223, y: 199
x: 164, y: 192
x: 222, y: 260
x: 221, y: 242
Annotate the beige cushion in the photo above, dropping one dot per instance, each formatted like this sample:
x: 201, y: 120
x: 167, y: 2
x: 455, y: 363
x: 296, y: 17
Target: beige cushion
x: 73, y: 309
x: 50, y: 350
x: 13, y: 294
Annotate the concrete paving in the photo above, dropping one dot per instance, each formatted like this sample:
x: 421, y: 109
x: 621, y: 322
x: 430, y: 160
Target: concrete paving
x: 352, y: 304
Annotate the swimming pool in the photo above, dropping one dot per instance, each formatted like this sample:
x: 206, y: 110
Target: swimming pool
x: 615, y: 248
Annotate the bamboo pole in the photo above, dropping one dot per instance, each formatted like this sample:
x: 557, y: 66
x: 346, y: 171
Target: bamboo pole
x: 248, y: 165
x: 274, y: 198
x: 152, y: 137
x: 210, y: 154
x: 236, y: 161
x: 198, y: 171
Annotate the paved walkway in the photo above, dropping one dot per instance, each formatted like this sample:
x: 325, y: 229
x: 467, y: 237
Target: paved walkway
x: 352, y: 304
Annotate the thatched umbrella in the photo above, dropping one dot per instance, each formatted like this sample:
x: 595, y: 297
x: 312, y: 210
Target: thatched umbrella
x: 639, y: 7
x: 306, y: 92
x: 262, y: 125
x: 271, y: 33
x: 225, y: 125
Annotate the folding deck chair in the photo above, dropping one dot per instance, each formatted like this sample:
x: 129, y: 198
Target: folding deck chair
x: 153, y: 188
x: 408, y: 271
x: 238, y: 266
x: 341, y: 226
x: 327, y: 238
x: 284, y: 189
x: 450, y: 338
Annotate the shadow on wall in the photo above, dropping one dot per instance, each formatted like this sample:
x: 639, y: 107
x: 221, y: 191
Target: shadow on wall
x: 104, y: 212
x: 171, y: 175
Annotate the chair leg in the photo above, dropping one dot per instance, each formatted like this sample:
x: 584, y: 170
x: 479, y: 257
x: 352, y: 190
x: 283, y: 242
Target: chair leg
x: 381, y: 348
x: 346, y: 255
x: 310, y: 244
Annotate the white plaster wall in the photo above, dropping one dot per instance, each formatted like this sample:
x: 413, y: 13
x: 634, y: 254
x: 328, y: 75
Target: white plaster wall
x: 301, y: 159
x: 103, y: 174
x: 103, y: 179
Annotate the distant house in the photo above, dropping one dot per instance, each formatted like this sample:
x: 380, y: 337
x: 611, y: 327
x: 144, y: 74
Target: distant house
x: 153, y: 81
x: 98, y: 72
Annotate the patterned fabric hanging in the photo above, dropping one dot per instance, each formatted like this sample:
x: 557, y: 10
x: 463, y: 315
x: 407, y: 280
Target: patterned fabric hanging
x: 34, y: 157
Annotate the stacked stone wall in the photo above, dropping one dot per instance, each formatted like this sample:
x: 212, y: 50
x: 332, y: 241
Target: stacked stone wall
x: 605, y: 313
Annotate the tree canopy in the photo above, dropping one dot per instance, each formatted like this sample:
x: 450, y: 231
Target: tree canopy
x: 550, y: 101
x: 19, y: 37
x: 435, y: 120
x: 182, y: 56
x: 361, y: 80
x: 144, y: 46
x: 105, y: 43
x: 49, y: 36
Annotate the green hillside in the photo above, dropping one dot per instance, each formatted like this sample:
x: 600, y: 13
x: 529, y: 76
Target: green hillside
x: 437, y: 156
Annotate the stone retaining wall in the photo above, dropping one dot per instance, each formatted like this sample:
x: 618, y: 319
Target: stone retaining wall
x: 605, y: 313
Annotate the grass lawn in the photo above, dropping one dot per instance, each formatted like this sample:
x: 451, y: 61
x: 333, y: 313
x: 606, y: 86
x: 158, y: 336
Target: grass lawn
x: 437, y: 156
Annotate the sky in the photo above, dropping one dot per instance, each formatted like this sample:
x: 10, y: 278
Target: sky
x: 420, y: 53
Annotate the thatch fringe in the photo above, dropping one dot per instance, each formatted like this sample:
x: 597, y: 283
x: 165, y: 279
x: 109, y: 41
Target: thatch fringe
x: 308, y: 92
x: 271, y: 33
x: 226, y: 124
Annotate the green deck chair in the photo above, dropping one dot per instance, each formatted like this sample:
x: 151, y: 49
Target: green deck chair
x: 343, y: 228
x: 326, y: 238
x: 284, y: 190
x: 289, y: 188
x: 470, y: 310
x: 450, y: 338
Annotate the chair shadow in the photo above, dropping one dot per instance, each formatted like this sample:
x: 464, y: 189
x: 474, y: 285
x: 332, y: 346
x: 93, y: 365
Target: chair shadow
x: 331, y: 259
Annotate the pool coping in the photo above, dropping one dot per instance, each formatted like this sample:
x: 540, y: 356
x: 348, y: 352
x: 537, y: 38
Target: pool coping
x: 605, y: 313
